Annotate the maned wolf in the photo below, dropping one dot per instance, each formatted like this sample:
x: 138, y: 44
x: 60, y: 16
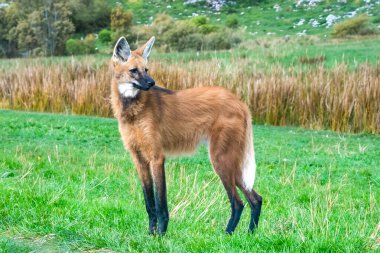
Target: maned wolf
x: 155, y: 122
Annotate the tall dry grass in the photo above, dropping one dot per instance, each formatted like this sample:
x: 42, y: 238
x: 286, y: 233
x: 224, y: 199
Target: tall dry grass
x: 338, y: 99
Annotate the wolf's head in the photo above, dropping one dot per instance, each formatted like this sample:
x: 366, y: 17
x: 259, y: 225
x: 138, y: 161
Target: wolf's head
x: 131, y: 67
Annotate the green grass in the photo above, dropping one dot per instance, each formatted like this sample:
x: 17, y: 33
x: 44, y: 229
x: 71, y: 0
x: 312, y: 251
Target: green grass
x: 351, y: 52
x: 67, y: 184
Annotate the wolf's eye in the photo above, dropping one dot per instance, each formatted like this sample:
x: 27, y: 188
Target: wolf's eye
x: 134, y: 71
x: 146, y: 70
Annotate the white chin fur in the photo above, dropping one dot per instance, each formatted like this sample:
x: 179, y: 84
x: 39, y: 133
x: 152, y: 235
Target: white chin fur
x: 127, y: 90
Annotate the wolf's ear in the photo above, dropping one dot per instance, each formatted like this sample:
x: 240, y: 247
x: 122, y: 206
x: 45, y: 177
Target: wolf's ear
x: 122, y: 51
x: 148, y: 48
x: 144, y: 51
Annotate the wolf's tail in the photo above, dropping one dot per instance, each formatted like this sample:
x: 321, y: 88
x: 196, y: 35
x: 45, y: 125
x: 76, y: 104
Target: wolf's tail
x: 249, y: 163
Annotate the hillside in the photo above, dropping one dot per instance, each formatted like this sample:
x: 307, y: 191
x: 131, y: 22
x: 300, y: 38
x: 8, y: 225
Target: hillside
x: 59, y: 27
x: 262, y: 18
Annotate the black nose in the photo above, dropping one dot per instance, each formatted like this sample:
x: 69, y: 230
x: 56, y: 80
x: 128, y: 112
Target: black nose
x: 151, y: 82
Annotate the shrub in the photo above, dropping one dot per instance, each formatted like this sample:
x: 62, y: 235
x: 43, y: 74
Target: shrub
x: 358, y: 25
x: 176, y: 34
x: 121, y: 23
x: 218, y: 40
x: 192, y: 41
x: 140, y: 34
x: 121, y: 19
x: 232, y: 21
x: 105, y: 36
x: 89, y: 44
x: 72, y: 46
x: 208, y: 28
x: 235, y: 39
x: 85, y: 46
x: 162, y: 23
x: 199, y: 20
x: 203, y: 25
x: 38, y: 51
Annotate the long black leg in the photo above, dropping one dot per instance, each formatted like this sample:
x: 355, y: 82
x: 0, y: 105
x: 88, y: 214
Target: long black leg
x: 158, y: 172
x: 237, y: 206
x: 255, y: 202
x: 150, y: 207
x: 148, y: 190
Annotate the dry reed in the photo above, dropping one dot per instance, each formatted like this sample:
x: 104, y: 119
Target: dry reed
x: 338, y: 99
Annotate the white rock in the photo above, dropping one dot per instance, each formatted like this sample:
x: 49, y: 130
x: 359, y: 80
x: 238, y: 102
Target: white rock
x: 331, y: 19
x: 301, y: 22
x: 277, y: 7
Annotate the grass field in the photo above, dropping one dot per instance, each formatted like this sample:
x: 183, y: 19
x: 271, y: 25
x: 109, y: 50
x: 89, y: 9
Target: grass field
x: 262, y: 54
x: 67, y: 185
x: 324, y: 86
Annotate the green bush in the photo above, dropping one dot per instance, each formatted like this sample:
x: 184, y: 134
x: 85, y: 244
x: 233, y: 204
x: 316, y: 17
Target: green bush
x: 72, y: 46
x: 85, y: 46
x: 208, y: 28
x: 358, y: 25
x: 177, y: 33
x: 162, y: 23
x: 192, y: 41
x: 232, y: 21
x: 199, y: 20
x: 89, y: 44
x: 105, y: 36
x: 218, y: 40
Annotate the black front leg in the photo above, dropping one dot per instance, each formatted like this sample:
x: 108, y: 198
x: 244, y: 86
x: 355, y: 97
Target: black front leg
x: 150, y: 207
x: 158, y: 172
x: 147, y: 185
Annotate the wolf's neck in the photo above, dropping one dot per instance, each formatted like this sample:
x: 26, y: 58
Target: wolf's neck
x: 127, y: 90
x: 129, y: 107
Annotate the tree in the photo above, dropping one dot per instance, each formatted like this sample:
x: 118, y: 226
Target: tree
x: 27, y: 25
x: 26, y: 39
x: 90, y: 15
x: 121, y: 21
x: 9, y: 18
x: 3, y: 33
x: 59, y: 27
x: 52, y: 26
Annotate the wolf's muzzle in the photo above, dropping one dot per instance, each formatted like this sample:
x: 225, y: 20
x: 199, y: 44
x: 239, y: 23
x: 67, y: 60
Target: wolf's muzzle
x: 144, y: 83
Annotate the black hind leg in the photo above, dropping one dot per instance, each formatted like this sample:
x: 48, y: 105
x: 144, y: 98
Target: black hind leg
x: 237, y: 206
x: 224, y: 149
x: 255, y: 201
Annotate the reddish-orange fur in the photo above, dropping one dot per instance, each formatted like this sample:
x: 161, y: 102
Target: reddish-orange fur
x: 159, y: 123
